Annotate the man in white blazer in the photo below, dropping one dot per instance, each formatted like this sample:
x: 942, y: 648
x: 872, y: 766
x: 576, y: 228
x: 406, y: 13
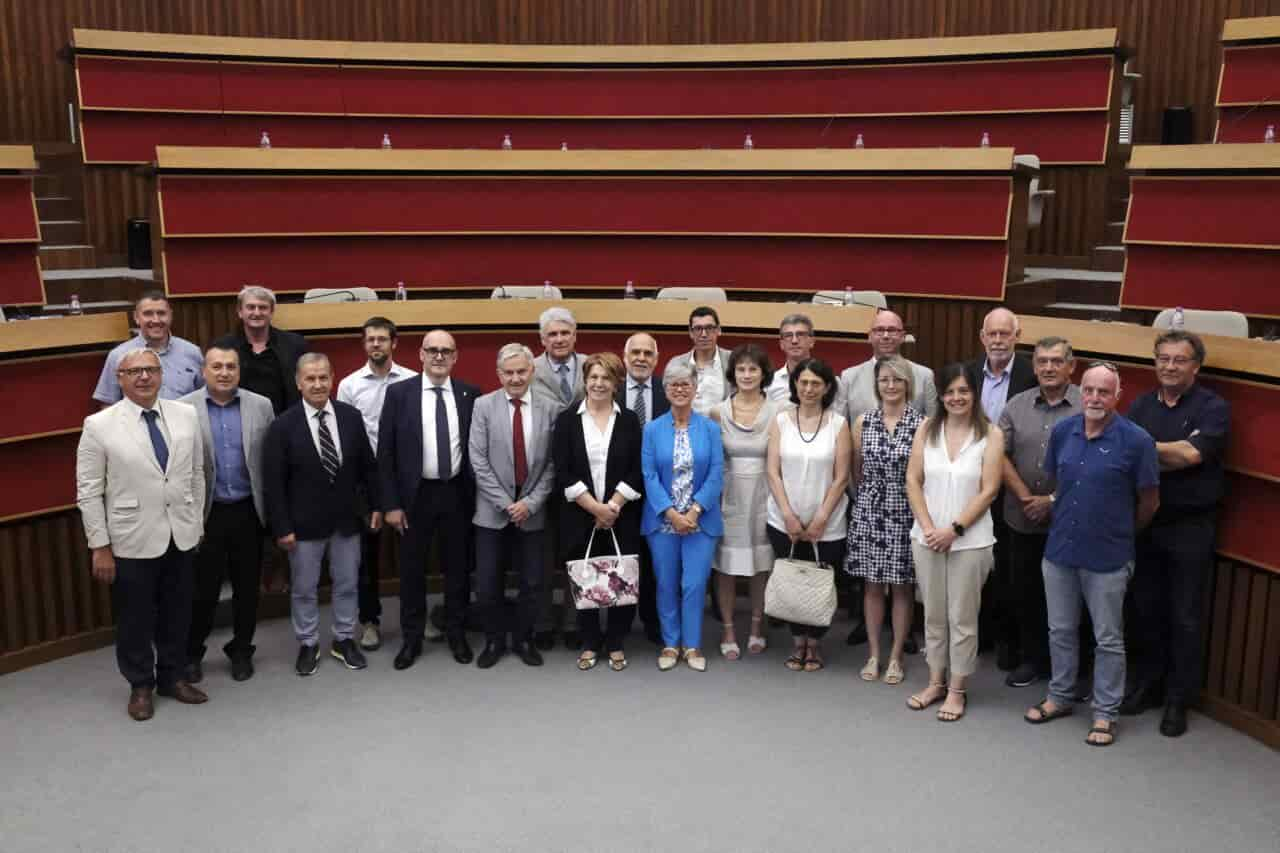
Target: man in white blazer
x: 233, y: 427
x: 510, y: 451
x: 140, y: 485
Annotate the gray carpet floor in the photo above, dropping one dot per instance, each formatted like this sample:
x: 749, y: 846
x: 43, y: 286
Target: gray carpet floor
x: 745, y: 757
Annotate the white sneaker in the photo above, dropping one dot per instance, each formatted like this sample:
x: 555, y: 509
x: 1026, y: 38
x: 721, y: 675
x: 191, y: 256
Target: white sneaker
x: 370, y: 637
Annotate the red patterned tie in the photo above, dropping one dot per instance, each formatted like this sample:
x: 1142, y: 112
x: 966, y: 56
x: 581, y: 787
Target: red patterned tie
x: 517, y: 445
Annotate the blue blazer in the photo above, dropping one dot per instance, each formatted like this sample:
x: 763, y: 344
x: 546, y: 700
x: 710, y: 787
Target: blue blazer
x: 708, y: 471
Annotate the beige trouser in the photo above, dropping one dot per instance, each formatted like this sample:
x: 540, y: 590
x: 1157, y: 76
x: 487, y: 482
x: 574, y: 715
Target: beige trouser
x: 951, y: 586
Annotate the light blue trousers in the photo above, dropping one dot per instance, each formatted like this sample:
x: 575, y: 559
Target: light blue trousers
x: 1103, y: 594
x: 681, y: 566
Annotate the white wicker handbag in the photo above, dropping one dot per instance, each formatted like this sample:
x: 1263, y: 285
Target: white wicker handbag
x: 801, y: 591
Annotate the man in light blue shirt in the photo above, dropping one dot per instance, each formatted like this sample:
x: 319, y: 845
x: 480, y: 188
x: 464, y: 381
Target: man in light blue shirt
x: 182, y: 360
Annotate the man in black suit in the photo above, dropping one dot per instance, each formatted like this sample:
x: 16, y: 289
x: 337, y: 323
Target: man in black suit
x: 268, y: 356
x: 427, y: 488
x: 317, y: 455
x: 642, y: 393
x: 1001, y: 373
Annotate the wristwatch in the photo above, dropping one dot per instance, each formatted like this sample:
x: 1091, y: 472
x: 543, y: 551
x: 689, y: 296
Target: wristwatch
x: 958, y: 528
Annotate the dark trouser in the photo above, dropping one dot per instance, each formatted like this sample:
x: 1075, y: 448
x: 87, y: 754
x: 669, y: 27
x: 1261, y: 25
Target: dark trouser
x: 438, y: 508
x: 153, y: 608
x: 831, y: 553
x: 648, y: 605
x: 1026, y: 553
x: 494, y: 550
x: 617, y: 619
x: 997, y: 622
x: 1174, y: 559
x: 367, y: 587
x: 231, y: 549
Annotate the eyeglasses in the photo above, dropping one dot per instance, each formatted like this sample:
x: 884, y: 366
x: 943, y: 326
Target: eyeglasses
x: 793, y: 336
x: 1106, y: 365
x: 703, y: 330
x: 438, y: 352
x: 135, y: 372
x: 891, y: 380
x: 680, y: 386
x: 1176, y: 360
x: 886, y: 330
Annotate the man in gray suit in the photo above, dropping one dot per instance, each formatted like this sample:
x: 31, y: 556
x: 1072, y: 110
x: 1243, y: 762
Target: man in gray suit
x: 886, y: 336
x: 707, y: 359
x: 510, y: 450
x: 140, y: 488
x: 233, y: 423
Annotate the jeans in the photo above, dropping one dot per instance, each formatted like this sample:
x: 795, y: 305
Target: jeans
x: 1103, y: 595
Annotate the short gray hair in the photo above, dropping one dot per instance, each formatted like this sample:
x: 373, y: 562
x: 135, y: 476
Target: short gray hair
x: 514, y: 350
x: 796, y: 320
x: 556, y: 315
x: 255, y: 291
x: 1052, y: 341
x: 309, y: 358
x: 678, y: 372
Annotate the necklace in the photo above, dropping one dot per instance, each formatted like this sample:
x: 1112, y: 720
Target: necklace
x: 800, y: 430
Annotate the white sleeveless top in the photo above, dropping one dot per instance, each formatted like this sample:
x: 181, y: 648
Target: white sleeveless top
x: 808, y: 468
x: 948, y: 488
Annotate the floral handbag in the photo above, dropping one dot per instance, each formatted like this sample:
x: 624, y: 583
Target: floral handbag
x: 606, y: 581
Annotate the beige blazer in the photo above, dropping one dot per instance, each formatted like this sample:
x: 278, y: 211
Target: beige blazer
x: 125, y: 500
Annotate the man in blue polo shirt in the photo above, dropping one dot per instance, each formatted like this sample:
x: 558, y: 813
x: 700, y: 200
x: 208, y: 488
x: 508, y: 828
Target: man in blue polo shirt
x: 182, y: 360
x: 1108, y: 489
x: 1189, y: 424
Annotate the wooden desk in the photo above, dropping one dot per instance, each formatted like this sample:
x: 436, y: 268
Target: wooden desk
x: 20, y: 281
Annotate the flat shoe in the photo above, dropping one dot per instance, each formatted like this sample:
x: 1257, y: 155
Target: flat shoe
x: 1101, y: 728
x: 915, y: 703
x: 1047, y: 716
x: 668, y: 658
x: 617, y: 661
x: 795, y: 662
x: 695, y: 659
x: 893, y: 673
x: 587, y: 660
x: 953, y: 716
x: 871, y: 670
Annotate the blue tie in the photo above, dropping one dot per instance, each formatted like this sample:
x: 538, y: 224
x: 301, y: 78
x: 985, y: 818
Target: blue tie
x: 157, y: 438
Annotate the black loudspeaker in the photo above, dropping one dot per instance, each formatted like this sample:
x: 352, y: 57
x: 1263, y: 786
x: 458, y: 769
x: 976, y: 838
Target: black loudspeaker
x: 1176, y: 128
x: 139, y: 244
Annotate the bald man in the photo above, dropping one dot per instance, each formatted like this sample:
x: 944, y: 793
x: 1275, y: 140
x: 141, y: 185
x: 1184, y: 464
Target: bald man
x: 886, y: 336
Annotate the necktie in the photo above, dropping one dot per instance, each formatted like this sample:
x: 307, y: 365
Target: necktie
x: 444, y: 449
x: 328, y: 451
x: 517, y: 446
x: 157, y: 438
x: 637, y: 404
x: 566, y: 391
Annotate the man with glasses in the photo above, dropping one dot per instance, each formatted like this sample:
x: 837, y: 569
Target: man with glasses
x: 1190, y: 425
x: 140, y: 487
x: 1108, y: 488
x: 796, y: 340
x: 706, y: 359
x: 886, y: 336
x: 366, y: 388
x: 428, y: 490
x: 183, y: 364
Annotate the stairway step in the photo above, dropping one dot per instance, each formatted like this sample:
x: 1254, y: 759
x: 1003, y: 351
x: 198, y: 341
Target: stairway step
x: 62, y: 232
x: 63, y: 257
x: 58, y: 207
x: 1109, y: 258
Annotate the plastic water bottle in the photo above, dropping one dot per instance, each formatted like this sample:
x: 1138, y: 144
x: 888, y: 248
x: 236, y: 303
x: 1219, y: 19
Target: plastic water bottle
x: 506, y: 142
x: 629, y: 292
x: 402, y: 294
x: 747, y: 144
x: 1270, y: 134
x: 564, y: 146
x: 547, y: 292
x: 848, y: 296
x: 386, y: 142
x: 1179, y: 320
x: 265, y: 141
x: 74, y: 306
x: 858, y: 143
x: 986, y: 140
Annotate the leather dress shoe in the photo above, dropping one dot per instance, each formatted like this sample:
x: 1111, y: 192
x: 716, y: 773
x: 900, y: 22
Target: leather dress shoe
x: 193, y: 672
x: 1142, y: 698
x: 241, y: 668
x: 185, y: 693
x: 141, y: 706
x: 528, y: 654
x: 408, y: 654
x: 461, y: 649
x: 545, y: 640
x: 492, y: 654
x: 1174, y: 723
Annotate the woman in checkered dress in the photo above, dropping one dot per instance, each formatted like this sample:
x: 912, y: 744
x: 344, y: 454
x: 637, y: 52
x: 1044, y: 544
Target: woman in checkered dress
x: 879, y: 546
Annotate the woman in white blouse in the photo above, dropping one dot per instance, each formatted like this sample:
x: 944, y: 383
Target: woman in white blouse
x: 596, y: 449
x: 952, y: 477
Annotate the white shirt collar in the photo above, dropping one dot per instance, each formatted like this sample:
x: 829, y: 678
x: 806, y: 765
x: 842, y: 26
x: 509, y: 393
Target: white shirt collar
x: 369, y: 373
x: 582, y: 407
x: 524, y: 399
x: 633, y: 383
x: 428, y: 385
x: 138, y: 410
x: 311, y: 410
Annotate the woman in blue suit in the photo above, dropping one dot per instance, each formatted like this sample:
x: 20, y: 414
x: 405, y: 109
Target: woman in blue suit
x: 683, y: 465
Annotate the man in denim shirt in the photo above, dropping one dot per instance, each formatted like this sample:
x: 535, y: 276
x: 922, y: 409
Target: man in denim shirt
x: 1108, y: 488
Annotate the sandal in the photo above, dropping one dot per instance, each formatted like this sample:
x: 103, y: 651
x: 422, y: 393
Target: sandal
x: 668, y: 658
x: 587, y: 660
x: 795, y: 662
x: 917, y: 702
x: 1047, y: 716
x: 893, y: 673
x: 695, y: 659
x: 871, y: 670
x: 1104, y: 728
x: 617, y: 661
x: 813, y: 660
x: 756, y: 642
x: 952, y: 716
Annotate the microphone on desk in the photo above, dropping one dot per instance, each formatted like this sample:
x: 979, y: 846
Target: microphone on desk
x: 503, y: 294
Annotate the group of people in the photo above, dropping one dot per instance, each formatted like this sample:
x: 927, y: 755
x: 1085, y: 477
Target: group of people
x: 1010, y: 500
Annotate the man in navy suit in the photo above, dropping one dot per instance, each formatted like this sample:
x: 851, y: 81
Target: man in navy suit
x: 642, y: 393
x: 427, y: 488
x: 317, y: 454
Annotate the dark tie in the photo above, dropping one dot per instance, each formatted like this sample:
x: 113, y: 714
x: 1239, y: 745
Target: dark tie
x: 444, y: 449
x: 566, y: 391
x: 637, y: 404
x: 157, y: 438
x: 517, y: 446
x: 328, y: 451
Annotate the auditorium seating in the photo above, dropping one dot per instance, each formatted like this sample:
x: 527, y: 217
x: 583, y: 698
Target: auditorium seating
x: 20, y: 282
x: 1249, y: 82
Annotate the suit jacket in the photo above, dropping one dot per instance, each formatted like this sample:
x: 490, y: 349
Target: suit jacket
x: 546, y: 382
x: 400, y: 441
x: 493, y: 463
x: 1021, y: 376
x: 860, y: 396
x: 287, y: 346
x: 256, y: 416
x: 300, y: 498
x: 622, y: 464
x: 661, y: 405
x: 708, y: 471
x: 125, y: 500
